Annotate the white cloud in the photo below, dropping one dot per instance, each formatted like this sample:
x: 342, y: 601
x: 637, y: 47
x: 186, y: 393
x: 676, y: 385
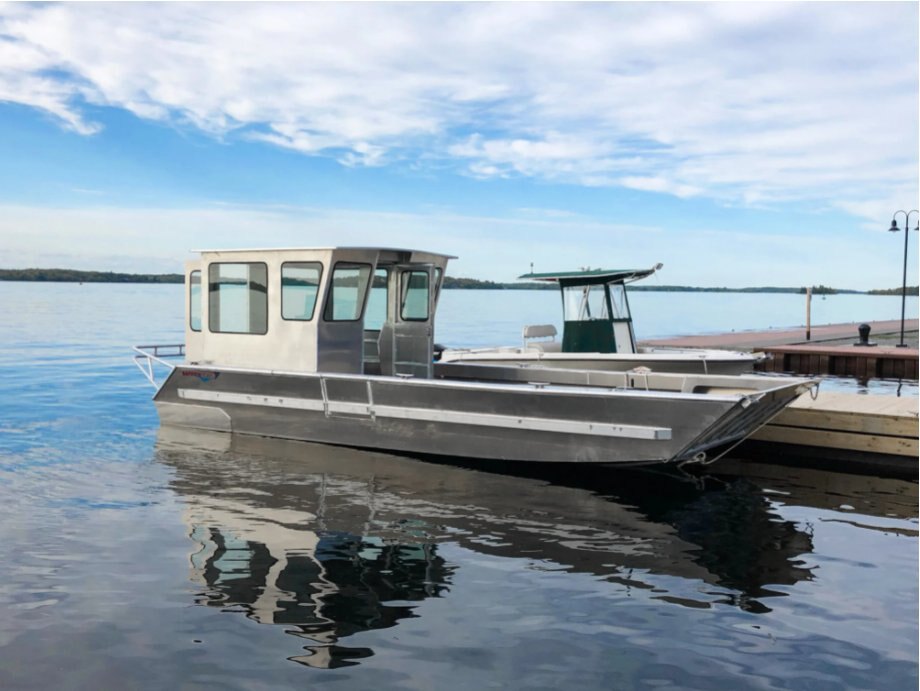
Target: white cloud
x: 659, y: 184
x: 23, y: 79
x: 742, y: 102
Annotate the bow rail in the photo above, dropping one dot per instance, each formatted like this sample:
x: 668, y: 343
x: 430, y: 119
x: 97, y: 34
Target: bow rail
x: 148, y: 356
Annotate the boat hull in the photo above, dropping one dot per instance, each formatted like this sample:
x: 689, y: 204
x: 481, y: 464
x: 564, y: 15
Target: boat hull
x: 478, y: 413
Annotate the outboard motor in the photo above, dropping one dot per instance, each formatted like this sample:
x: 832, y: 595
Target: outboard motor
x: 437, y: 352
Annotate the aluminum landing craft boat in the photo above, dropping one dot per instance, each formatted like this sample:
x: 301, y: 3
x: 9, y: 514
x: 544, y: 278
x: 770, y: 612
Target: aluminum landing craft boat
x: 598, y: 333
x: 335, y: 346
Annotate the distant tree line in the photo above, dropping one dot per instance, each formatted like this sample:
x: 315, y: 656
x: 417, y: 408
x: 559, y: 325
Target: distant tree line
x: 476, y: 284
x: 911, y: 290
x: 754, y: 289
x: 450, y: 282
x: 824, y: 290
x: 73, y: 276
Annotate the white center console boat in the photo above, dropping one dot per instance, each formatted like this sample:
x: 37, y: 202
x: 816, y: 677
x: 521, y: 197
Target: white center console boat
x: 598, y: 333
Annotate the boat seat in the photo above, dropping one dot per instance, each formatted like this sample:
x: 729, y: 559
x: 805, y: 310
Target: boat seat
x: 541, y: 331
x: 546, y: 346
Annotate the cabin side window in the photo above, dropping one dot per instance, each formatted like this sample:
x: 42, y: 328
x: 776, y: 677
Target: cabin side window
x: 194, y: 300
x: 347, y: 290
x: 415, y: 296
x: 238, y: 298
x: 299, y: 287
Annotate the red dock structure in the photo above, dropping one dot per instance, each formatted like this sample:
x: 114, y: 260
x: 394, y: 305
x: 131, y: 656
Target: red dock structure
x: 853, y: 361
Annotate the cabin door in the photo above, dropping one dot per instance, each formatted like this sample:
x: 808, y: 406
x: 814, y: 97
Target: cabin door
x: 340, y: 334
x: 407, y: 336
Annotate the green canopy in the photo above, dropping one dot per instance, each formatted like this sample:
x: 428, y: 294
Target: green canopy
x: 592, y: 276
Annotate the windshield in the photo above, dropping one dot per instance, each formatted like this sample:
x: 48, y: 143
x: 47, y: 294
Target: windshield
x: 584, y: 303
x: 589, y: 303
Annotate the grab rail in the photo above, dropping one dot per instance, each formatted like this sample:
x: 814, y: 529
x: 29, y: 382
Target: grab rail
x: 147, y: 355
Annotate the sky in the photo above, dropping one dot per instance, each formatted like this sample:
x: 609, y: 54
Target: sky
x: 740, y: 144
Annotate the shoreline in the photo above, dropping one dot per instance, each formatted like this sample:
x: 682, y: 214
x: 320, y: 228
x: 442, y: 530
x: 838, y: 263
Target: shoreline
x: 450, y: 283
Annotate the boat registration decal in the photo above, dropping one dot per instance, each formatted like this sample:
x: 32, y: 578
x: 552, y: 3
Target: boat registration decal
x: 202, y: 375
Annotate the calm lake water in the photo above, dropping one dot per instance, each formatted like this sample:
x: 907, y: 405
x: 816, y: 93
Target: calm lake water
x: 134, y: 557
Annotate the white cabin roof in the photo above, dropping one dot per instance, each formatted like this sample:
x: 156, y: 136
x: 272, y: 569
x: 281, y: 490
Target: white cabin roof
x: 322, y: 249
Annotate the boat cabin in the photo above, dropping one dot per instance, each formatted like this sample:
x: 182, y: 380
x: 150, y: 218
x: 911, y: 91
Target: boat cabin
x: 343, y: 309
x: 595, y: 308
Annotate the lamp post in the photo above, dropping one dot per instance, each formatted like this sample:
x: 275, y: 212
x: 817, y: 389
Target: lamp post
x: 894, y: 229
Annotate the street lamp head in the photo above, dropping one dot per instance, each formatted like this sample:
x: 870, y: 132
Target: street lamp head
x: 894, y: 226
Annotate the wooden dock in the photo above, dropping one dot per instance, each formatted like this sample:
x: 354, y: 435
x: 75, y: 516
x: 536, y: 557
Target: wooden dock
x: 875, y: 431
x: 830, y: 350
x: 856, y: 422
x: 852, y: 361
x: 758, y: 340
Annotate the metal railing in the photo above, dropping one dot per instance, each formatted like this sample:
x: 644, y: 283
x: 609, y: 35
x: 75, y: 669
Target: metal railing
x: 147, y: 356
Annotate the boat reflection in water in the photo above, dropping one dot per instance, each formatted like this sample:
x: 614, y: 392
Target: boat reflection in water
x: 331, y: 541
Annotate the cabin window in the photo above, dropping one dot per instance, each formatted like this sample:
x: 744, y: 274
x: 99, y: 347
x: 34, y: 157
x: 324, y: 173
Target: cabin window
x: 376, y: 313
x: 415, y: 296
x: 618, y: 301
x: 194, y: 300
x: 347, y: 291
x: 437, y: 282
x: 238, y: 298
x: 299, y: 287
x: 584, y: 303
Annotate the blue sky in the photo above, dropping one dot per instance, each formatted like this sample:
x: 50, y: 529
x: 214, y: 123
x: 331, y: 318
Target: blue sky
x: 738, y: 143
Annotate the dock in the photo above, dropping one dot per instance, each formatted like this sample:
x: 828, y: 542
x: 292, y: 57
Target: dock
x: 847, y: 421
x: 851, y: 361
x: 843, y: 431
x: 831, y: 349
x: 759, y: 339
x: 879, y: 432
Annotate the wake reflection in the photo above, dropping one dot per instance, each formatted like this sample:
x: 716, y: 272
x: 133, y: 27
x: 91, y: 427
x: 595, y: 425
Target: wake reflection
x: 331, y: 541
